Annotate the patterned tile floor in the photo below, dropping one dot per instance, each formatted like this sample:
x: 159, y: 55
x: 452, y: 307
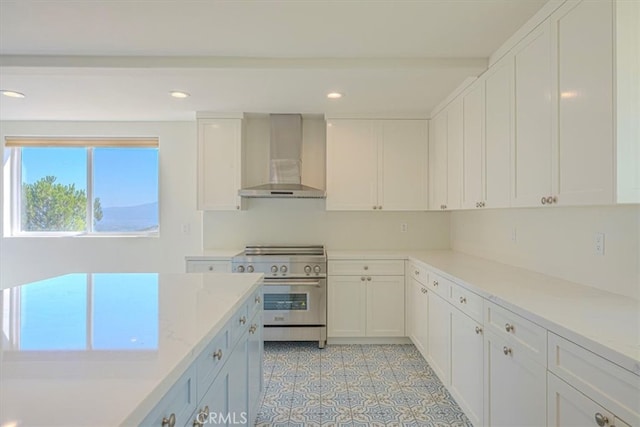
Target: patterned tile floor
x: 354, y: 386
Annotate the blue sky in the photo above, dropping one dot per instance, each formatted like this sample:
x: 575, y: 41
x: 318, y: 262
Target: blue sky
x: 122, y: 177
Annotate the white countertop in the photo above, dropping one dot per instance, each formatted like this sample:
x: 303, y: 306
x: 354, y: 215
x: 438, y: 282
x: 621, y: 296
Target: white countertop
x: 120, y: 342
x: 215, y: 255
x: 605, y: 323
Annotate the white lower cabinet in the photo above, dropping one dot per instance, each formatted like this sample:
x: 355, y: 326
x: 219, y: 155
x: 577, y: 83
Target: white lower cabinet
x: 467, y: 367
x: 567, y: 407
x: 208, y: 266
x: 439, y: 330
x: 515, y: 385
x: 366, y: 298
x: 255, y: 360
x: 419, y: 318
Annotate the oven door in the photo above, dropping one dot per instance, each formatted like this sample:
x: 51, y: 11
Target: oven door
x: 290, y: 302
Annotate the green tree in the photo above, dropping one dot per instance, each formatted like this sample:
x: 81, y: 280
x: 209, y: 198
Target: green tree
x: 51, y: 206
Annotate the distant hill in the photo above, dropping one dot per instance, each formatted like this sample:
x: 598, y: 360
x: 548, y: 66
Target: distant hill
x: 129, y: 218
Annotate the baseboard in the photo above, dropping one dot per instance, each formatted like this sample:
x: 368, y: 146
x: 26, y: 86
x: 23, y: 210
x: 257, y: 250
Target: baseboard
x: 368, y: 340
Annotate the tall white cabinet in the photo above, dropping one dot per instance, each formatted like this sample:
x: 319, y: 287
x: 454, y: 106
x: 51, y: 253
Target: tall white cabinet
x: 376, y: 164
x: 220, y: 153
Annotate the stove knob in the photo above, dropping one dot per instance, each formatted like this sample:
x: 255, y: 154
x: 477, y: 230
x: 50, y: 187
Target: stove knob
x: 240, y: 269
x: 307, y: 269
x: 316, y: 269
x: 250, y: 269
x: 283, y: 268
x: 274, y: 268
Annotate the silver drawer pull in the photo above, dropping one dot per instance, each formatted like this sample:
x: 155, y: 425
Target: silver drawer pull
x: 218, y: 354
x: 258, y: 300
x: 169, y: 422
x: 363, y: 278
x: 243, y: 320
x: 506, y: 350
x: 417, y: 273
x: 253, y: 329
x: 366, y: 267
x: 463, y: 300
x: 368, y: 278
x: 509, y: 327
x: 601, y: 420
x: 315, y: 283
x: 210, y: 268
x: 435, y: 283
x: 478, y: 330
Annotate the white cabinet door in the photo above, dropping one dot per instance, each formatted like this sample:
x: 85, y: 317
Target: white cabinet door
x: 419, y: 317
x: 438, y: 162
x: 256, y: 377
x: 439, y: 326
x: 346, y: 306
x: 567, y: 407
x: 402, y: 177
x: 467, y: 366
x: 454, y: 141
x: 217, y: 398
x: 515, y: 386
x: 219, y: 164
x: 239, y: 381
x: 498, y: 133
x: 385, y: 306
x: 585, y: 117
x: 533, y: 141
x: 473, y: 191
x: 352, y: 165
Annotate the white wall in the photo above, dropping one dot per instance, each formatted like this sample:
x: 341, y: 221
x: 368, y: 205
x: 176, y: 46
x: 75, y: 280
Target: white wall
x: 30, y: 258
x: 306, y: 221
x: 558, y: 242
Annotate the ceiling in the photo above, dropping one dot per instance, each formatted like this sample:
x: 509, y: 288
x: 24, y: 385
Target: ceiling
x: 118, y: 60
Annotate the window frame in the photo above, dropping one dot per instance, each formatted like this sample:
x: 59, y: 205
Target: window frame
x: 15, y: 197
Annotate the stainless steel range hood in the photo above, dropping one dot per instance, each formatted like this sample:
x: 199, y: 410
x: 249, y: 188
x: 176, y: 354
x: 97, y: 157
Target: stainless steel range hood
x: 285, y: 162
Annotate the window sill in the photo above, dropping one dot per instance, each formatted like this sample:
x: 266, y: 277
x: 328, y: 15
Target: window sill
x: 83, y: 235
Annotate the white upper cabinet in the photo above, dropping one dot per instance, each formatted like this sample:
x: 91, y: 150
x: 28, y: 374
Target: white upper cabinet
x: 498, y: 133
x: 533, y: 142
x: 220, y: 147
x: 438, y: 162
x: 473, y: 150
x: 455, y: 135
x: 377, y: 164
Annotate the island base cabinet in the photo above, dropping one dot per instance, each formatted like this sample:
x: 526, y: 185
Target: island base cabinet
x: 256, y: 378
x: 570, y: 408
x: 515, y: 386
x: 467, y: 368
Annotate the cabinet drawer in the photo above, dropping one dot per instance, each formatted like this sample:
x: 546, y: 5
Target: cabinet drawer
x: 613, y: 387
x: 368, y: 267
x: 417, y: 272
x: 440, y: 285
x: 520, y: 332
x: 213, y: 357
x: 468, y: 302
x: 180, y: 401
x: 208, y: 266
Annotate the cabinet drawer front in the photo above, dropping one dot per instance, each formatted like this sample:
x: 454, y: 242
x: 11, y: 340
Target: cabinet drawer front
x: 366, y: 267
x: 208, y: 267
x: 212, y: 358
x: 180, y: 401
x: 613, y: 387
x: 519, y: 331
x: 440, y: 285
x: 468, y: 302
x: 417, y: 272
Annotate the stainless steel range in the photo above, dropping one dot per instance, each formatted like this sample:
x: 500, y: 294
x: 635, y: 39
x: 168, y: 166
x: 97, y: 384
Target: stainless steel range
x: 295, y: 292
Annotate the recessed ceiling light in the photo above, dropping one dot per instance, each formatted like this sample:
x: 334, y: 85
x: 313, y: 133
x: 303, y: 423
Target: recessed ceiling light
x: 12, y: 94
x: 179, y: 94
x: 334, y: 95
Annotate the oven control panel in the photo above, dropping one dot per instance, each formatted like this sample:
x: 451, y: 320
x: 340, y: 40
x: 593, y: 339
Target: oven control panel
x: 281, y: 269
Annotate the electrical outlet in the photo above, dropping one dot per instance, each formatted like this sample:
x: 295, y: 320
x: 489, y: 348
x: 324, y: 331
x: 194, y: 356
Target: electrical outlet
x: 186, y: 229
x: 598, y: 243
x: 404, y: 227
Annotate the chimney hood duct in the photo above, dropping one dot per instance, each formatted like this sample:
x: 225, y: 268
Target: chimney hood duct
x: 285, y: 162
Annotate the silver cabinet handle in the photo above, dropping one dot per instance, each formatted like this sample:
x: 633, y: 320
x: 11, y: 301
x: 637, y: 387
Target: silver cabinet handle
x: 368, y: 278
x: 366, y: 267
x: 253, y: 329
x: 417, y: 273
x: 238, y: 207
x: 601, y: 420
x: 169, y: 422
x: 463, y: 300
x: 478, y: 330
x: 435, y: 283
x: 423, y: 290
x: 243, y: 320
x: 210, y: 268
x: 375, y: 207
x: 509, y: 327
x: 543, y: 200
x: 258, y: 300
x: 506, y: 350
x: 552, y: 199
x: 380, y: 208
x: 218, y: 354
x: 362, y: 278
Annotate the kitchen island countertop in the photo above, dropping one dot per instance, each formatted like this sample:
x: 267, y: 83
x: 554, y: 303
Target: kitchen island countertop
x: 102, y: 349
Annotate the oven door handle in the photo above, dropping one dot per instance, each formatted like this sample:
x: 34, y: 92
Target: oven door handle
x: 292, y: 283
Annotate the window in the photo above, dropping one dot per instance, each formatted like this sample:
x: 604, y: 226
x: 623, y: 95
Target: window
x: 73, y: 186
